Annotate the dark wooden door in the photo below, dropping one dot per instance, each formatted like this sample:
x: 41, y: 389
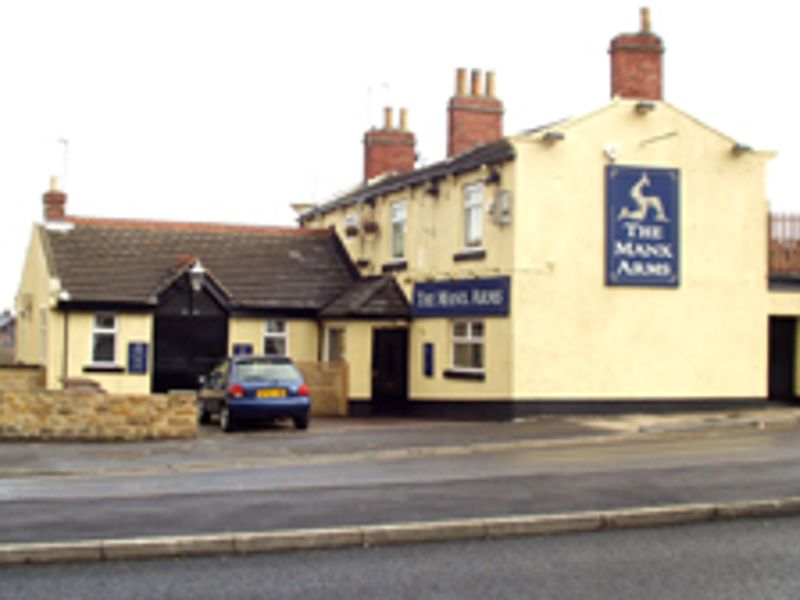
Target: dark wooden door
x: 389, y: 371
x: 782, y: 352
x: 191, y: 337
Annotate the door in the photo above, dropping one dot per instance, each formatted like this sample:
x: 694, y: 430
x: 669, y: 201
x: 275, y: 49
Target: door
x: 191, y: 337
x: 389, y: 371
x: 782, y: 353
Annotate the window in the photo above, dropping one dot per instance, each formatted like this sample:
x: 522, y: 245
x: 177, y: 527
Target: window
x: 398, y: 238
x: 276, y: 338
x: 473, y: 216
x: 468, y: 345
x: 335, y: 350
x: 104, y: 339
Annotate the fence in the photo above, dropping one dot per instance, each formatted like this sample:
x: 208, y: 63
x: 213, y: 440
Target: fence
x: 328, y: 385
x: 784, y: 244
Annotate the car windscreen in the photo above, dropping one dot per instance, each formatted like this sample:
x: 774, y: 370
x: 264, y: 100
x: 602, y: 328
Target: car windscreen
x: 262, y: 371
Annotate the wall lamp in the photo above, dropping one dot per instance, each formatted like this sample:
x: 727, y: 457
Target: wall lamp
x: 739, y: 149
x: 643, y: 107
x: 493, y: 177
x: 197, y: 275
x: 553, y: 136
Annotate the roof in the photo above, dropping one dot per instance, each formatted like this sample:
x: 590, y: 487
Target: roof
x: 258, y: 268
x: 370, y: 297
x: 488, y: 154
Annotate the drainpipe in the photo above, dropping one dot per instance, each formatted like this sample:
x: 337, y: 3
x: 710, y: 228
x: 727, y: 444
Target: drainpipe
x: 65, y: 351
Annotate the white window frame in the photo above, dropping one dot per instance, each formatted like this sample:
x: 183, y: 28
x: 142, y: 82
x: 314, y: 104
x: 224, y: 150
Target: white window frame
x: 470, y: 338
x: 112, y: 331
x: 328, y: 336
x: 399, y: 215
x: 473, y: 216
x: 276, y: 335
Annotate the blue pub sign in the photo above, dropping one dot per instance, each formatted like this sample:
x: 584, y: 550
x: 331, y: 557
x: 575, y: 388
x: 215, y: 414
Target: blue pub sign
x: 137, y: 358
x: 463, y: 298
x: 642, y: 226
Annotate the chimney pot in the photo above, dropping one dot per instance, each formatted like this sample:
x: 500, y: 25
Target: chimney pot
x: 403, y: 119
x: 387, y: 118
x: 490, y: 84
x: 645, y: 14
x: 461, y: 82
x: 476, y: 82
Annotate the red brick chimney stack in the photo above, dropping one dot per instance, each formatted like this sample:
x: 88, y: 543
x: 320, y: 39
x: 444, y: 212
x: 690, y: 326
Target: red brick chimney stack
x: 55, y: 202
x: 636, y: 69
x: 473, y: 119
x: 389, y: 150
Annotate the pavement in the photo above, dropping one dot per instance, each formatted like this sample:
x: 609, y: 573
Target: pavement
x: 368, y: 439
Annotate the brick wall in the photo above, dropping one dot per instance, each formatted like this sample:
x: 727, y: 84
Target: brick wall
x: 328, y: 385
x: 27, y: 411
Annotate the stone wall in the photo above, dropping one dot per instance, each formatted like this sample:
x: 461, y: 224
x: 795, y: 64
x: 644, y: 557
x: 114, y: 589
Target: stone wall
x: 27, y: 411
x: 328, y: 387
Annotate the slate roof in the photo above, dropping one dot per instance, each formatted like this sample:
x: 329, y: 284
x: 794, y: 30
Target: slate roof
x: 370, y: 297
x: 489, y: 154
x: 257, y: 268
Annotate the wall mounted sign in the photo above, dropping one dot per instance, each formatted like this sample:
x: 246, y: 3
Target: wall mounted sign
x: 463, y: 298
x: 242, y: 349
x: 642, y: 225
x: 427, y: 351
x: 137, y: 358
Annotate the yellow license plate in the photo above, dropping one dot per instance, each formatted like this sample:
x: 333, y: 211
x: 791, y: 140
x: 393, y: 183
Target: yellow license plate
x: 271, y: 393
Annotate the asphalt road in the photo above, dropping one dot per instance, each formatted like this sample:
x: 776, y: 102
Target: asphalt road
x: 733, y: 560
x: 320, y: 491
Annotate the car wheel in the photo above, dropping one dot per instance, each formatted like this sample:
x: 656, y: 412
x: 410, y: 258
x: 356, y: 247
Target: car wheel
x: 301, y: 422
x: 225, y: 421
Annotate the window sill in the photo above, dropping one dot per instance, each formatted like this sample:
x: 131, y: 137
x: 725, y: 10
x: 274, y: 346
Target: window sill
x: 469, y: 375
x: 103, y: 369
x: 394, y: 265
x: 470, y: 254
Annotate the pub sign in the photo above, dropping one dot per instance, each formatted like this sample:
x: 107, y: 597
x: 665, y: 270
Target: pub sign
x: 463, y: 298
x: 642, y: 226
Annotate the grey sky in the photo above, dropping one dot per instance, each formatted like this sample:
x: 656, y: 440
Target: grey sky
x: 230, y: 111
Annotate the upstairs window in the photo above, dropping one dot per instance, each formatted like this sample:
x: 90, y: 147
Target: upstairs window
x: 473, y: 216
x: 104, y: 339
x: 398, y: 237
x: 276, y: 338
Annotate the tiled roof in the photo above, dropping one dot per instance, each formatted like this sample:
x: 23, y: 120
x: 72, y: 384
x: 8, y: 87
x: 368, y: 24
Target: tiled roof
x: 119, y: 261
x: 488, y: 154
x: 370, y: 297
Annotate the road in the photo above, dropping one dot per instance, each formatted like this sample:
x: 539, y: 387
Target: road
x: 734, y: 560
x: 367, y: 488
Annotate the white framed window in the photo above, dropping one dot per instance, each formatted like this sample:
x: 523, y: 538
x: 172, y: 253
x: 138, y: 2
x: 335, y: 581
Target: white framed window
x: 468, y: 346
x: 473, y: 215
x: 398, y: 237
x: 104, y: 339
x: 335, y: 347
x: 276, y: 337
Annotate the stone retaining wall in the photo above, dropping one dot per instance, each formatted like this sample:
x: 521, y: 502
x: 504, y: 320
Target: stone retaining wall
x: 27, y: 411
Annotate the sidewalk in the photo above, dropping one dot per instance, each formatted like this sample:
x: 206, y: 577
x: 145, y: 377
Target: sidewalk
x: 336, y: 439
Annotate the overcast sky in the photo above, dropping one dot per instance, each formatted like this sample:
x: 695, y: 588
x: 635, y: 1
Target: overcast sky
x: 229, y: 111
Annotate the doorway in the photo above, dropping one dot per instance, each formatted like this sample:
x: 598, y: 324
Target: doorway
x: 782, y: 357
x: 191, y: 337
x: 389, y: 371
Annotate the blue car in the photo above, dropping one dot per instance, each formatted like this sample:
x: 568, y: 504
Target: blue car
x: 253, y: 389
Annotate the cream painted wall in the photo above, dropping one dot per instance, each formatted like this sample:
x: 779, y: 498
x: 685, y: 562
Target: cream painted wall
x: 131, y: 327
x: 499, y: 362
x: 303, y: 336
x: 34, y: 294
x: 574, y: 337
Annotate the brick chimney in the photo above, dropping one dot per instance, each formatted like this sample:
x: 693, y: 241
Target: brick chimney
x: 389, y: 150
x: 55, y: 202
x: 475, y: 118
x: 636, y: 70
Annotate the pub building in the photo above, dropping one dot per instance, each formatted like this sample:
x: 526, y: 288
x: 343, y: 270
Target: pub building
x: 616, y: 261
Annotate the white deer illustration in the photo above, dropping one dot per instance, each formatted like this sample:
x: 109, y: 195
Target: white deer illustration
x: 643, y: 203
